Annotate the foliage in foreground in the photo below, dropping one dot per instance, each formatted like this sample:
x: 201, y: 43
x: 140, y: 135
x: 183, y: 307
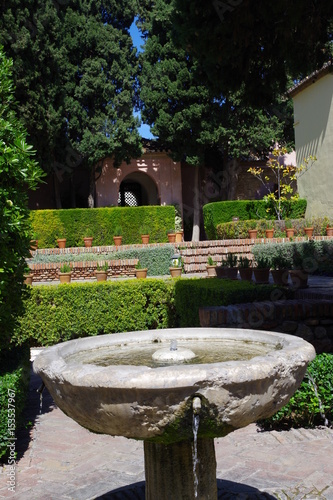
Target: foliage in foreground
x: 14, y: 382
x: 312, y: 403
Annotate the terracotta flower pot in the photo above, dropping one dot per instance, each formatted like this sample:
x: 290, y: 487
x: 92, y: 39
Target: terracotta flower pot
x: 145, y: 238
x: 65, y: 277
x: 329, y: 231
x: 172, y: 237
x: 221, y: 272
x: 61, y: 242
x: 299, y: 278
x: 33, y: 244
x: 308, y: 231
x: 141, y: 273
x: 88, y: 241
x: 280, y: 276
x: 101, y: 275
x: 290, y: 232
x: 232, y: 273
x: 211, y: 271
x: 245, y: 273
x: 253, y: 234
x: 269, y: 233
x: 28, y: 279
x: 175, y: 271
x: 117, y: 240
x: 179, y: 236
x: 261, y: 275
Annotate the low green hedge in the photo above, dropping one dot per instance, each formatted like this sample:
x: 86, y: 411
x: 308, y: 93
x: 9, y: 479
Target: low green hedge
x: 223, y: 211
x: 155, y: 259
x: 315, y: 257
x: 100, y: 223
x: 192, y: 294
x: 58, y: 313
x: 312, y: 403
x: 14, y: 384
x: 239, y: 229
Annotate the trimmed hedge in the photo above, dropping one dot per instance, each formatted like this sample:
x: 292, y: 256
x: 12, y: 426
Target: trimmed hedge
x: 315, y: 257
x: 100, y: 223
x: 239, y: 229
x: 58, y: 313
x: 14, y: 384
x: 155, y: 259
x: 223, y: 211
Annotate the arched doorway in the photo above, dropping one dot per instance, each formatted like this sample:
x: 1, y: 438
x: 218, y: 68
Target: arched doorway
x: 138, y: 189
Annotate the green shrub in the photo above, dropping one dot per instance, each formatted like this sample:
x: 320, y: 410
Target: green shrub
x: 54, y: 313
x: 223, y: 211
x: 14, y: 383
x: 156, y: 259
x: 191, y: 294
x: 100, y: 223
x: 315, y: 257
x: 312, y: 402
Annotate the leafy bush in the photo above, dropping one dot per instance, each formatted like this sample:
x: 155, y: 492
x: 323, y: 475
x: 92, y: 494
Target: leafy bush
x: 14, y: 382
x: 156, y: 259
x: 100, y: 223
x: 55, y: 313
x: 312, y: 256
x: 223, y: 211
x: 191, y: 294
x: 312, y: 403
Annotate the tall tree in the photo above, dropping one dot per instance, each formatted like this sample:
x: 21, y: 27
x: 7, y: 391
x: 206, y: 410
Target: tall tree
x: 18, y: 173
x: 75, y: 70
x: 187, y: 116
x: 255, y: 42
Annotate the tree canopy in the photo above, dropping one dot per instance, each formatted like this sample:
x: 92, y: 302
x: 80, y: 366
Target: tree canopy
x: 75, y: 72
x: 255, y: 43
x: 18, y: 172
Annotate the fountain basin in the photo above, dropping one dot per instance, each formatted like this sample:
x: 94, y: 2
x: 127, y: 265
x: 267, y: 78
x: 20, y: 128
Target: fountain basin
x: 155, y: 403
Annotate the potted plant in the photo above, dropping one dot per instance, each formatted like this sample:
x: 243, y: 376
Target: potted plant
x: 117, y: 236
x: 176, y: 266
x: 28, y: 276
x: 245, y: 268
x: 65, y: 273
x: 231, y: 266
x: 279, y: 268
x: 253, y: 232
x: 269, y: 230
x: 101, y: 272
x: 211, y: 267
x: 144, y: 231
x: 61, y: 242
x: 290, y: 231
x: 261, y: 271
x: 171, y: 236
x: 178, y: 225
x: 329, y: 230
x: 308, y: 229
x: 140, y: 272
x: 299, y: 276
x: 88, y: 241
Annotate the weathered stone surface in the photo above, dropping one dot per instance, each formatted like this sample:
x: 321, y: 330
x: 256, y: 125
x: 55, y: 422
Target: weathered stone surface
x: 155, y: 403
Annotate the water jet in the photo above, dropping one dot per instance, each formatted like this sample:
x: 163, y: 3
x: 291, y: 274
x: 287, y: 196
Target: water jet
x: 112, y: 384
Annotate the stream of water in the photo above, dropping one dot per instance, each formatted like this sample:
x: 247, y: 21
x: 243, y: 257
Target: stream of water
x: 195, y: 427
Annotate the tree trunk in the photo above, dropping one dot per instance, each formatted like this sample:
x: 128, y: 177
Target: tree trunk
x: 196, y: 206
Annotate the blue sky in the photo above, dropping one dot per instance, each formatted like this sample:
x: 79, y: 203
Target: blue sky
x: 144, y: 130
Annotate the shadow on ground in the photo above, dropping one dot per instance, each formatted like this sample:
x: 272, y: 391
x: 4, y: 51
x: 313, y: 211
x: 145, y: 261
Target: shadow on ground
x: 31, y: 412
x: 227, y: 490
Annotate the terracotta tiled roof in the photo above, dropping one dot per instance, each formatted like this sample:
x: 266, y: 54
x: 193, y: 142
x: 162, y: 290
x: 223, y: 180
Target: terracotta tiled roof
x: 310, y: 79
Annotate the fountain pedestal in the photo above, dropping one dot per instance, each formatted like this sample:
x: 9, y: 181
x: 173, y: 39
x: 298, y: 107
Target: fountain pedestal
x: 168, y: 470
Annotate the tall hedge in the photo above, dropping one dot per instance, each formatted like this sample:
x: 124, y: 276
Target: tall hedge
x: 100, y: 223
x: 223, y: 211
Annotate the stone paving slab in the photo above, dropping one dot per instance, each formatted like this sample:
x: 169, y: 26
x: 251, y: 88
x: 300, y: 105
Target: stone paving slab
x: 59, y: 460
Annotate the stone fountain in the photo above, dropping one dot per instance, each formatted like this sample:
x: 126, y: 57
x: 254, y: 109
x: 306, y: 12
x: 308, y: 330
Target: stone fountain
x: 152, y: 385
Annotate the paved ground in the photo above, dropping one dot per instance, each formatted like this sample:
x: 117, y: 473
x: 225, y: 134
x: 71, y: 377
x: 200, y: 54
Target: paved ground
x: 59, y: 460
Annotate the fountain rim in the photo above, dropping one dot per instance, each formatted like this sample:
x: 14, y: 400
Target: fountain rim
x: 52, y: 361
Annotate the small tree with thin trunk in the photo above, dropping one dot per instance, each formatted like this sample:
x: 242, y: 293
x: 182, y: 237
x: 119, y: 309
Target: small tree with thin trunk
x: 285, y: 177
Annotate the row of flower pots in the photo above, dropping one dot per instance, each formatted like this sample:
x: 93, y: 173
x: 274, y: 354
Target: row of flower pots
x: 299, y: 278
x: 290, y: 232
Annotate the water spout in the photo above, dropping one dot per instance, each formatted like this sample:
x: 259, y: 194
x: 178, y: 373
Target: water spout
x: 173, y: 345
x: 196, y: 405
